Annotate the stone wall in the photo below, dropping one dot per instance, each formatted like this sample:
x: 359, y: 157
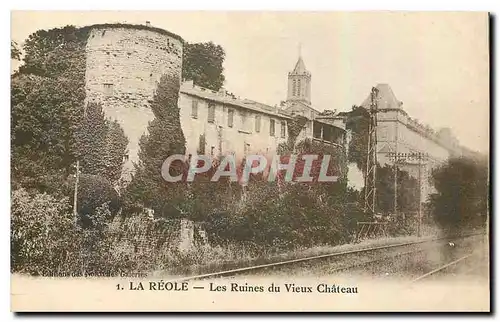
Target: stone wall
x: 394, y: 129
x: 408, y: 138
x: 123, y: 66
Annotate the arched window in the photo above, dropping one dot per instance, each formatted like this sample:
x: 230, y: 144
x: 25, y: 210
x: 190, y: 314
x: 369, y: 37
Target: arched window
x: 294, y: 89
x: 299, y: 88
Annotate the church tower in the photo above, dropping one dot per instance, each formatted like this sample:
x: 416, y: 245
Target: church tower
x: 299, y: 83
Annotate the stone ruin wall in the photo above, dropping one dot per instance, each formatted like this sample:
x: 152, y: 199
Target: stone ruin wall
x: 123, y: 66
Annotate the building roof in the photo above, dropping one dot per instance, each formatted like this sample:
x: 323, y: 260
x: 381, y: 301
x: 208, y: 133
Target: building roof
x: 303, y: 104
x: 386, y: 98
x: 388, y: 101
x: 326, y: 117
x: 300, y: 67
x: 222, y: 97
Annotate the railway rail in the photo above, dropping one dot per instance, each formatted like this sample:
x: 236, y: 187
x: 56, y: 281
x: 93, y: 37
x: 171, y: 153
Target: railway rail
x: 291, y: 263
x: 442, y: 268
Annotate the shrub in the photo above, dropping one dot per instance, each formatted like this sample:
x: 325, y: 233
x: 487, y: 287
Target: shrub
x: 42, y: 235
x: 93, y: 192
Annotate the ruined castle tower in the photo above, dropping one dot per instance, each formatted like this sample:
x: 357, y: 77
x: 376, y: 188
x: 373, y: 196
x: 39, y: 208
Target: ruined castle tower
x: 123, y: 65
x: 299, y: 83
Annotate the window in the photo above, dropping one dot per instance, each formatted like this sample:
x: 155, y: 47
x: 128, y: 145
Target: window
x: 211, y: 113
x: 328, y: 133
x: 298, y: 88
x: 271, y: 128
x: 257, y: 123
x: 317, y: 131
x: 194, y: 108
x: 230, y: 117
x: 108, y: 89
x: 294, y: 89
x: 244, y: 125
x: 283, y: 129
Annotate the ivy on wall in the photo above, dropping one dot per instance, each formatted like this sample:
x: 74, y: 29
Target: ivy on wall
x: 202, y: 142
x: 295, y: 126
x: 357, y: 122
x: 101, y: 144
x: 164, y: 138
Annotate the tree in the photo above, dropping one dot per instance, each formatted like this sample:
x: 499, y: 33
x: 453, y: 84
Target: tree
x: 164, y: 138
x: 56, y: 52
x: 283, y: 215
x: 202, y: 63
x: 461, y: 200
x: 101, y: 144
x: 407, y: 190
x: 358, y: 122
x: 94, y: 191
x: 47, y: 100
x: 45, y: 113
x: 49, y: 131
x: 48, y: 134
x: 15, y: 53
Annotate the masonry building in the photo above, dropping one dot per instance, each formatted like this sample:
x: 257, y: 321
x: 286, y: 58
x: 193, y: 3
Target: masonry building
x: 399, y: 134
x: 219, y: 123
x: 124, y: 63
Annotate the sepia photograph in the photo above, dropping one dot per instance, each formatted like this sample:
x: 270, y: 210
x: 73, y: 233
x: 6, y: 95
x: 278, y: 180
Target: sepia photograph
x: 250, y: 161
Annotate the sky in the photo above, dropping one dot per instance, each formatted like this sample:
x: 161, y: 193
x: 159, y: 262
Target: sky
x: 436, y: 63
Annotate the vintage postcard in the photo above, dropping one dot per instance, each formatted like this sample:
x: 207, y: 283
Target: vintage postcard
x: 250, y: 161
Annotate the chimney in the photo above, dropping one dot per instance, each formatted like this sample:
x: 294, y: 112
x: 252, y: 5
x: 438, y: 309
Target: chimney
x: 148, y: 23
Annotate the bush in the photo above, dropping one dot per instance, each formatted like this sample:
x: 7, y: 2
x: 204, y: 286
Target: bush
x: 42, y: 235
x: 45, y: 240
x: 461, y: 198
x: 93, y: 192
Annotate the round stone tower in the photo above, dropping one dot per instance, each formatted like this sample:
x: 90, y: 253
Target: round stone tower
x: 123, y: 65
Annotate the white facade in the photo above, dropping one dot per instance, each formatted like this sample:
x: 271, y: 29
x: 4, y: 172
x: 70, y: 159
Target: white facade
x: 238, y: 127
x: 398, y: 133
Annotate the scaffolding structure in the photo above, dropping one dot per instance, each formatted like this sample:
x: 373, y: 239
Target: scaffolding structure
x: 368, y: 229
x: 371, y: 157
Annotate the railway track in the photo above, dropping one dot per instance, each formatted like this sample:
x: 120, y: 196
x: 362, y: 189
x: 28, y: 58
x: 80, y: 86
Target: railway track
x: 472, y: 262
x: 441, y: 268
x: 313, y: 259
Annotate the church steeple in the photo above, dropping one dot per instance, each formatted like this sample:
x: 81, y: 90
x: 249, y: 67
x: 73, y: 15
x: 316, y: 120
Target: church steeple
x: 299, y: 83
